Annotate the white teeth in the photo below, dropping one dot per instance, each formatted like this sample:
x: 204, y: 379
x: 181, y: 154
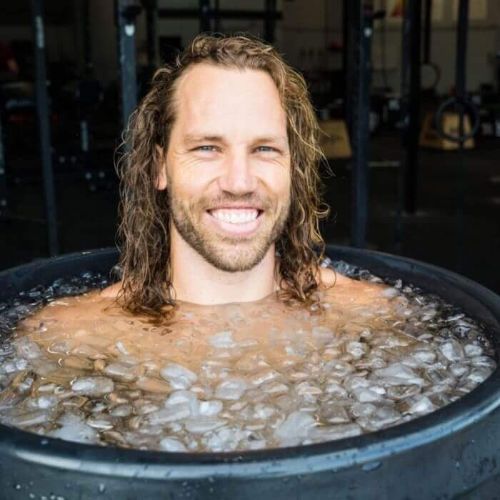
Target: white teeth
x: 239, y: 216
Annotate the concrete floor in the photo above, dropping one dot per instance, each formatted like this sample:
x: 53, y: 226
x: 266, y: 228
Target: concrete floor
x: 455, y: 227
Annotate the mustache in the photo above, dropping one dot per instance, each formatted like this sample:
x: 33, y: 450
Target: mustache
x: 252, y: 199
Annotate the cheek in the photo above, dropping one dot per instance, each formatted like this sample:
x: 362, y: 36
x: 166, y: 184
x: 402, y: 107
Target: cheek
x: 187, y: 184
x: 275, y: 174
x: 281, y: 182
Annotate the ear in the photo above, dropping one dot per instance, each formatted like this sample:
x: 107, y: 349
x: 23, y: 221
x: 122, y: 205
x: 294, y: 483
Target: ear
x: 161, y: 179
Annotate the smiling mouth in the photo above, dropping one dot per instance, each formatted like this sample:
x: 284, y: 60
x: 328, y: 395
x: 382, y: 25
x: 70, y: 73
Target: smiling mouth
x: 237, y: 216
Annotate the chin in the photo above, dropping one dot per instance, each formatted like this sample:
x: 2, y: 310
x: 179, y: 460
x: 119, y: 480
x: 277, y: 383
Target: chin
x: 234, y: 262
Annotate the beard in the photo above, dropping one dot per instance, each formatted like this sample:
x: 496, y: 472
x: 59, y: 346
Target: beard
x: 225, y: 252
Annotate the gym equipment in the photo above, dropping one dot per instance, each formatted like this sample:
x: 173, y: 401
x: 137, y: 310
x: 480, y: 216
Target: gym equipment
x: 42, y: 104
x: 358, y: 17
x: 334, y: 140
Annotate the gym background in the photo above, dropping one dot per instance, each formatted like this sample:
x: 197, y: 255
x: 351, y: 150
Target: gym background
x: 408, y: 94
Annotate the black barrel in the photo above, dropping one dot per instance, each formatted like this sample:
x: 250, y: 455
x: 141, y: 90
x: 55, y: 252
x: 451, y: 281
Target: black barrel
x: 453, y: 452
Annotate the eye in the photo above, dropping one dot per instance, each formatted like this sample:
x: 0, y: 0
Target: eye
x: 267, y: 149
x: 206, y: 148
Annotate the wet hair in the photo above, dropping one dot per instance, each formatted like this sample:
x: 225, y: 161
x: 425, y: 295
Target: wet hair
x: 144, y: 230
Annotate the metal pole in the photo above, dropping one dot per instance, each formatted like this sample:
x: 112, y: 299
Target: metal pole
x: 87, y: 44
x: 410, y: 92
x: 270, y: 21
x: 461, y: 97
x: 204, y: 16
x: 3, y: 174
x: 347, y: 60
x: 126, y: 12
x: 461, y: 57
x: 42, y: 105
x: 427, y: 31
x: 361, y: 27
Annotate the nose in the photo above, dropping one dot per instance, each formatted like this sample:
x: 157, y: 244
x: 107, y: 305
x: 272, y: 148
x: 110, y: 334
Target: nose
x: 238, y: 176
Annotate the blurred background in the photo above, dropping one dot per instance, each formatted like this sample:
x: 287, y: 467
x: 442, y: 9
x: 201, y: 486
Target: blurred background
x: 407, y: 93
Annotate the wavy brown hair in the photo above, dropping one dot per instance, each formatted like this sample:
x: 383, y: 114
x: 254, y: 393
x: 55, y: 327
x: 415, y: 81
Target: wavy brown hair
x: 144, y: 231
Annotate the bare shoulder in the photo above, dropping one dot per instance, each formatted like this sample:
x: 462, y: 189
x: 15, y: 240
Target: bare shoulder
x: 343, y: 290
x: 61, y: 311
x: 68, y: 311
x: 111, y: 292
x: 329, y: 278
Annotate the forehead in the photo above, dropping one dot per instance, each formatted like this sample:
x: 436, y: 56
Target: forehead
x: 217, y: 96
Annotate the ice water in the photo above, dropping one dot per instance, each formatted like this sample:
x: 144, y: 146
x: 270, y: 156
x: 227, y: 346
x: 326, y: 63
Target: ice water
x: 238, y: 376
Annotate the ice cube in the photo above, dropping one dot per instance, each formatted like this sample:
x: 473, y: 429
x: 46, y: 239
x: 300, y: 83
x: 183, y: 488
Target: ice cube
x: 263, y: 412
x: 100, y: 422
x: 210, y: 408
x: 185, y: 397
x: 178, y: 376
x: 92, y: 386
x: 168, y: 414
x: 223, y: 340
x: 390, y: 293
x: 123, y: 410
x: 27, y: 349
x: 459, y: 369
x: 121, y: 372
x: 231, y: 388
x: 73, y: 428
x: 274, y: 388
x: 452, y: 350
x: 397, y: 374
x: 334, y: 388
x: 334, y: 413
x: 30, y: 418
x: 479, y: 374
x: 473, y: 350
x: 356, y: 349
x: 203, y: 424
x: 295, y: 428
x: 331, y: 432
x: 366, y: 395
x: 338, y: 368
x: 172, y: 444
x: 263, y: 376
x: 421, y: 405
x: 45, y: 402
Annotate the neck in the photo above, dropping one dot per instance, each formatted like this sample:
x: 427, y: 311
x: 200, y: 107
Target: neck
x: 197, y: 281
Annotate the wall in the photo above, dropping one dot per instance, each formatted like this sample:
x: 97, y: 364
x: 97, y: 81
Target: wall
x: 310, y: 25
x: 307, y: 27
x: 104, y: 40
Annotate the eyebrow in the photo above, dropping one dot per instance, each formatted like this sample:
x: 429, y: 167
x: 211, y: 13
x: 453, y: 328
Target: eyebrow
x: 195, y: 138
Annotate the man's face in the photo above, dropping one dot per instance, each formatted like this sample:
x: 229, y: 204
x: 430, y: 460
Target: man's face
x: 228, y: 165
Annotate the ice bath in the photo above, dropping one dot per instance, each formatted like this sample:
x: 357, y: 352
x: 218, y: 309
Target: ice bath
x: 239, y: 376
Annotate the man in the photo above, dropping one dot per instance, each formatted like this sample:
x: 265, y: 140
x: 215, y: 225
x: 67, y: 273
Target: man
x: 220, y: 190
